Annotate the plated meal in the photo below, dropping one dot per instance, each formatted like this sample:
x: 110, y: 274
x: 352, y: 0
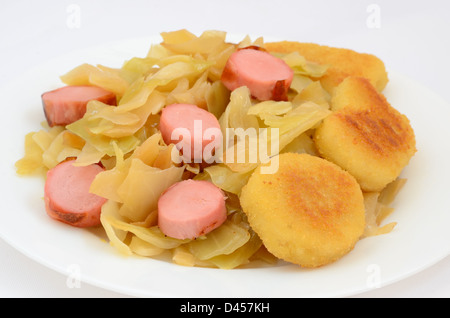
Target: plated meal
x: 217, y: 154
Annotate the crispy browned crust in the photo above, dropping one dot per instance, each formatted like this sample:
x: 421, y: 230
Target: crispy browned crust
x: 342, y: 62
x: 68, y: 218
x: 365, y: 135
x: 280, y: 91
x: 382, y: 132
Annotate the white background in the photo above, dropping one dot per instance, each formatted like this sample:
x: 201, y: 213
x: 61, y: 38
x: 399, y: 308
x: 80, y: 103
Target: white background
x: 411, y: 37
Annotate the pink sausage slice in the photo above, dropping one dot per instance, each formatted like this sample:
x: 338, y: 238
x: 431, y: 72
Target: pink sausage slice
x: 266, y: 76
x: 67, y: 104
x: 191, y: 208
x: 67, y: 197
x: 200, y: 127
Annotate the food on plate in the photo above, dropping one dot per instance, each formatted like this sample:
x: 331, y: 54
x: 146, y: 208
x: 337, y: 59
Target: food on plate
x: 377, y: 205
x: 193, y: 129
x: 365, y: 135
x: 190, y: 209
x: 67, y: 104
x: 267, y: 76
x: 341, y: 62
x: 66, y: 194
x: 300, y: 157
x: 310, y: 212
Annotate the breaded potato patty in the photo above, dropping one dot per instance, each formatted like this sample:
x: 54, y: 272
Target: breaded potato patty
x: 357, y: 93
x: 365, y: 135
x: 342, y: 63
x: 310, y: 212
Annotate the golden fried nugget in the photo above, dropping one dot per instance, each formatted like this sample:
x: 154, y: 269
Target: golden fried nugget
x: 357, y: 93
x: 342, y: 63
x: 365, y: 135
x: 310, y: 212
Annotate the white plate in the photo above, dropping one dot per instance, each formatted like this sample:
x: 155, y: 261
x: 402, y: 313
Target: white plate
x: 420, y: 239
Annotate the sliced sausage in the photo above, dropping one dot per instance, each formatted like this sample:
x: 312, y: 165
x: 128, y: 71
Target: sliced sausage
x: 67, y: 197
x: 67, y: 104
x: 192, y: 129
x: 266, y: 76
x: 191, y: 208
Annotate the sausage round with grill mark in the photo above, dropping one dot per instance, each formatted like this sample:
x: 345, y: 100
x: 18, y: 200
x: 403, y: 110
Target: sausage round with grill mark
x: 67, y: 104
x: 266, y: 76
x: 67, y: 197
